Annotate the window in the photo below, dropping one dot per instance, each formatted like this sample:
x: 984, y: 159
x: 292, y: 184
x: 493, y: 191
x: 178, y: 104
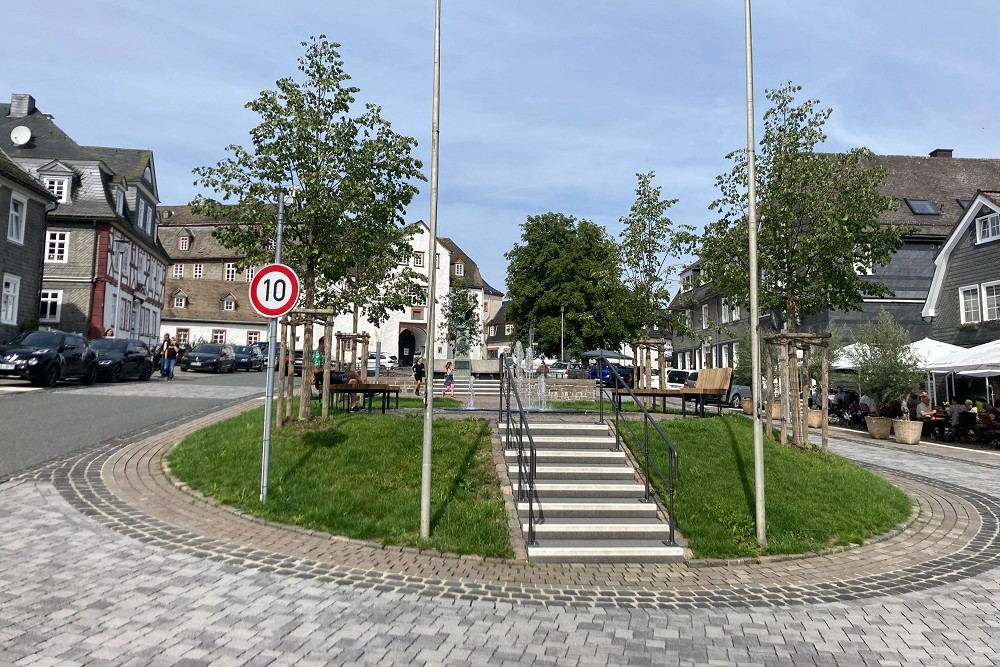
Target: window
x: 991, y: 301
x: 922, y: 207
x: 686, y: 283
x: 724, y: 310
x: 183, y: 336
x: 230, y: 271
x: 8, y: 300
x: 704, y: 316
x: 736, y: 313
x: 418, y: 314
x: 969, y: 299
x: 250, y: 273
x: 178, y: 270
x: 55, y: 247
x: 218, y: 336
x: 140, y: 208
x: 253, y: 337
x: 964, y: 203
x: 988, y: 228
x: 179, y: 301
x: 419, y: 297
x: 57, y: 186
x: 198, y: 271
x: 50, y: 306
x: 508, y: 329
x: 418, y: 259
x: 459, y: 268
x: 493, y: 330
x: 229, y: 304
x: 148, y: 223
x: 183, y: 242
x: 437, y: 260
x: 15, y: 219
x: 119, y: 201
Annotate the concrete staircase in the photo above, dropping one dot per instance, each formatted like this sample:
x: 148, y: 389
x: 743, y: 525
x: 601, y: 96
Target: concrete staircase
x: 588, y: 500
x: 484, y: 387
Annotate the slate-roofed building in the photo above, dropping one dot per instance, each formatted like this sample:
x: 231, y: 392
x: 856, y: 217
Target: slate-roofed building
x: 934, y: 193
x: 102, y: 264
x: 463, y: 267
x: 27, y: 204
x: 498, y: 334
x: 963, y: 304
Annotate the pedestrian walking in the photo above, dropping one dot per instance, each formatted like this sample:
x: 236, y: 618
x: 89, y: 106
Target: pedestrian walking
x: 418, y: 374
x: 449, y: 379
x: 161, y: 355
x: 170, y: 353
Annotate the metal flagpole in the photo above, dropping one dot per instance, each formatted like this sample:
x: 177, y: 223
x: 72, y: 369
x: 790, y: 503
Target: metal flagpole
x: 758, y: 434
x: 425, y: 476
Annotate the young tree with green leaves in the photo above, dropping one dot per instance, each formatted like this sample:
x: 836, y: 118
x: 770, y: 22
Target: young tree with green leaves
x: 818, y: 218
x: 562, y: 261
x: 460, y: 314
x: 885, y: 364
x: 350, y: 177
x: 649, y: 241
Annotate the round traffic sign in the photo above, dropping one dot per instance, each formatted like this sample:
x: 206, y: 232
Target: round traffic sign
x: 274, y: 290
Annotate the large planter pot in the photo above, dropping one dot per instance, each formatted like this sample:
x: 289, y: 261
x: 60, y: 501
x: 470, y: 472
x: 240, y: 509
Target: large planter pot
x: 748, y: 407
x: 814, y: 418
x: 776, y: 410
x: 878, y: 427
x: 907, y: 432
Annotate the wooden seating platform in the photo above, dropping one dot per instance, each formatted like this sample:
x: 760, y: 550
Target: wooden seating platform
x: 711, y: 382
x: 368, y: 391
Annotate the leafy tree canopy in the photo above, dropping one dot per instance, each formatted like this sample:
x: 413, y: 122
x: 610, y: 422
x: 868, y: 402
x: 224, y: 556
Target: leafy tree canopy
x: 460, y: 314
x: 562, y: 261
x: 818, y: 218
x: 886, y: 366
x: 350, y: 176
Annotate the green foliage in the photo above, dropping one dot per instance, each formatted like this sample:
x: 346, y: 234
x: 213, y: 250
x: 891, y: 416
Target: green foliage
x: 886, y: 367
x: 357, y: 476
x: 460, y: 314
x: 352, y: 178
x: 648, y: 241
x: 563, y: 261
x: 818, y: 218
x: 813, y: 501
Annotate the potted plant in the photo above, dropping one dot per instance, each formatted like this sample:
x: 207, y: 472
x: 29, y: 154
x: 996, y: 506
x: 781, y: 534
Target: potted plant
x: 886, y: 367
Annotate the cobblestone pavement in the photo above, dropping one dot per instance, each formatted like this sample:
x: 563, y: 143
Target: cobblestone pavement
x: 104, y: 561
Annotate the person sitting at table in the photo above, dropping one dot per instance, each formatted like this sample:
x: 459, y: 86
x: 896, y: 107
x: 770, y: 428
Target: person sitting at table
x: 925, y: 411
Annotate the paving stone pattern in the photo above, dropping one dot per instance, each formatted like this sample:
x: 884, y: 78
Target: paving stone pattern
x: 104, y: 561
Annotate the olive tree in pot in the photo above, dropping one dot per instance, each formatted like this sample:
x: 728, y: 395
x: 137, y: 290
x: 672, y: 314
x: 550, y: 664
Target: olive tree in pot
x: 887, y: 368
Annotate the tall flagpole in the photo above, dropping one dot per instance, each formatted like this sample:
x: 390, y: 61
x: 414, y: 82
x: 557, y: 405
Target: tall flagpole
x: 425, y: 474
x: 758, y: 394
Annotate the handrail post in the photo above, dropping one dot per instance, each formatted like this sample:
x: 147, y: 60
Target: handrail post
x: 645, y: 449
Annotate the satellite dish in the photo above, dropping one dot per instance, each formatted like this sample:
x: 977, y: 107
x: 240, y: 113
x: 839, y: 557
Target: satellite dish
x: 20, y: 135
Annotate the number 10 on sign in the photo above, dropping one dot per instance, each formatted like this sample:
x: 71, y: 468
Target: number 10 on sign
x: 274, y: 290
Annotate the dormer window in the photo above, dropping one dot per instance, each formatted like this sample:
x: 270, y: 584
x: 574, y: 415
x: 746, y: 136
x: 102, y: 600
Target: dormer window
x: 183, y: 242
x: 229, y: 304
x: 922, y: 207
x: 180, y: 301
x: 58, y: 187
x: 988, y: 228
x: 459, y: 268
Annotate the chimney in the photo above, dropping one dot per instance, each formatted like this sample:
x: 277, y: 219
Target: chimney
x: 941, y: 152
x: 21, y: 105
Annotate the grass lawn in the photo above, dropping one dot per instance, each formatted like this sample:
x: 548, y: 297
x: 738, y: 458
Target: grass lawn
x: 594, y: 406
x: 813, y: 501
x: 357, y: 475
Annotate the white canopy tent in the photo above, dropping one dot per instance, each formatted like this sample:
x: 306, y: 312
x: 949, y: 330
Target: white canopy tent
x: 982, y: 361
x: 928, y: 351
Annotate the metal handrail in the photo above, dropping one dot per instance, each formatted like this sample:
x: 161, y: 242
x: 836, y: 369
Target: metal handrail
x: 672, y: 475
x: 525, y: 464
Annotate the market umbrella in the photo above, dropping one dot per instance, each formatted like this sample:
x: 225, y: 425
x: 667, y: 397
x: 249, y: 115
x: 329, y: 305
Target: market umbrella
x: 607, y: 354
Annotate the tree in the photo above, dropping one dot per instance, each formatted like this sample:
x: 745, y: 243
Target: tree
x: 818, y: 218
x: 886, y: 366
x: 648, y: 241
x: 563, y: 261
x: 352, y: 178
x: 460, y: 315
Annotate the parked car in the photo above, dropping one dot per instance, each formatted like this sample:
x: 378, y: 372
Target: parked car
x: 564, y: 369
x: 45, y: 357
x: 212, y: 357
x: 387, y: 363
x: 120, y: 358
x: 676, y: 378
x: 626, y: 373
x: 249, y: 357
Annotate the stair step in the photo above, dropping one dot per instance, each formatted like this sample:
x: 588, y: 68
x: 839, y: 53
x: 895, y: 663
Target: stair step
x: 562, y: 429
x: 604, y: 551
x: 586, y: 529
x: 546, y: 455
x: 588, y: 508
x: 545, y: 490
x: 567, y: 442
x: 578, y: 472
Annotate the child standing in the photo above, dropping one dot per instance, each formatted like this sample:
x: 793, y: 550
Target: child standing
x: 449, y: 379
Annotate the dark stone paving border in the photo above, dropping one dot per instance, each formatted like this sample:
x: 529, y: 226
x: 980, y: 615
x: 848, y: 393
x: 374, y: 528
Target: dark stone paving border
x: 80, y: 480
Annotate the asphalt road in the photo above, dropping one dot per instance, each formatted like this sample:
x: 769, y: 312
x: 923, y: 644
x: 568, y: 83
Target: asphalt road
x: 39, y: 425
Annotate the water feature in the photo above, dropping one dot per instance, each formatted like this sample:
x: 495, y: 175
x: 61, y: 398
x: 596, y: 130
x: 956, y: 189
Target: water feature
x: 543, y: 402
x: 471, y: 405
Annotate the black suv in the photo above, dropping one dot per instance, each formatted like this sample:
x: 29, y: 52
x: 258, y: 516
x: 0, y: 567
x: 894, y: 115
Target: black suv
x: 45, y: 357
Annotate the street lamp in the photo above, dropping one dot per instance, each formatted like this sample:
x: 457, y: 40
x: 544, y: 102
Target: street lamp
x: 562, y: 332
x: 120, y: 249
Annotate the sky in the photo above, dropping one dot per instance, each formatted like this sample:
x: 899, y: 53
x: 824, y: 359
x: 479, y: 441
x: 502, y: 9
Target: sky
x: 545, y: 106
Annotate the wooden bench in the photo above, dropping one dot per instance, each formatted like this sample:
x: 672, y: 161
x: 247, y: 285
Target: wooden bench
x: 368, y: 391
x: 711, y: 382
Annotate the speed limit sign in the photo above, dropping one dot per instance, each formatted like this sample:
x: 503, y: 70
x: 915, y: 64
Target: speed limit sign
x: 274, y: 290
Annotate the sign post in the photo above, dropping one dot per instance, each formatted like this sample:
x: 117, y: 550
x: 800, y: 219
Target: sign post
x: 273, y: 293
